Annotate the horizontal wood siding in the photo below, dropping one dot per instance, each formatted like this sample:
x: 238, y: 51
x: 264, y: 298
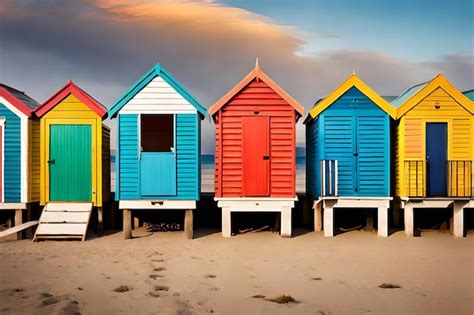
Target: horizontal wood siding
x: 187, y: 151
x: 34, y: 160
x: 257, y: 98
x: 312, y: 159
x: 127, y: 147
x: 158, y: 97
x: 12, y: 156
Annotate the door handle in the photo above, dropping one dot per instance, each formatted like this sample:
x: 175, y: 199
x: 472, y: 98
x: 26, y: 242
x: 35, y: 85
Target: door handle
x: 356, y: 154
x: 51, y: 162
x: 266, y: 157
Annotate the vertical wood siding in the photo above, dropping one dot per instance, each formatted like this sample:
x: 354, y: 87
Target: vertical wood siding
x: 106, y: 164
x: 12, y: 158
x: 411, y: 136
x: 312, y: 159
x: 255, y: 97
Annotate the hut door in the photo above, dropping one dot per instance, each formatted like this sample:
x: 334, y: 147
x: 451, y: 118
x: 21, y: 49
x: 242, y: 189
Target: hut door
x: 1, y: 161
x: 158, y: 157
x: 256, y: 156
x: 436, y: 157
x: 70, y: 163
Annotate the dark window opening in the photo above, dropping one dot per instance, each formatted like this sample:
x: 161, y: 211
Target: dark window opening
x: 157, y: 133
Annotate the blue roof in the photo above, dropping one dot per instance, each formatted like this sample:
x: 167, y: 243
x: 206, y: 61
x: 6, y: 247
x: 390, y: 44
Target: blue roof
x: 469, y: 94
x: 157, y: 70
x: 399, y: 101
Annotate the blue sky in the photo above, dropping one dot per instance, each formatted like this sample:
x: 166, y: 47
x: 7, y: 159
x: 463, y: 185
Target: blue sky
x: 415, y: 30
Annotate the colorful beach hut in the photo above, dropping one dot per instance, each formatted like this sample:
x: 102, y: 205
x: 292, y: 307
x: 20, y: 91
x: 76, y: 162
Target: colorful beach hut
x: 74, y: 161
x: 19, y: 153
x: 255, y: 149
x: 434, y: 150
x: 158, y: 147
x: 348, y: 153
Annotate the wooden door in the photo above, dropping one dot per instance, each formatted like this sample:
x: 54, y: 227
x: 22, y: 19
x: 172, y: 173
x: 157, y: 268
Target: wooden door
x: 70, y: 163
x: 436, y: 158
x: 256, y: 156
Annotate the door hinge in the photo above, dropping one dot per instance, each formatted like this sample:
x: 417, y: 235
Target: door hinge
x: 266, y: 157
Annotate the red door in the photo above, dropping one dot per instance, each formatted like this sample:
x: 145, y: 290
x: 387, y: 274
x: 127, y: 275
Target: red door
x: 1, y: 163
x: 256, y: 132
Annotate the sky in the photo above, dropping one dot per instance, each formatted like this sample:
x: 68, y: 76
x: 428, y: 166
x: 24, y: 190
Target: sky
x: 307, y: 47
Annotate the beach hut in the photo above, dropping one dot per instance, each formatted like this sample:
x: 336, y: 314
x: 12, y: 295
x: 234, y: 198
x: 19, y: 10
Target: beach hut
x: 348, y: 153
x: 74, y: 162
x: 158, y: 147
x: 19, y: 153
x: 434, y: 150
x: 469, y: 94
x: 255, y: 149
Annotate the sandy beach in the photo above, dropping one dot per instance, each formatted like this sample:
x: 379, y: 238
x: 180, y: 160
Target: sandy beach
x: 166, y: 274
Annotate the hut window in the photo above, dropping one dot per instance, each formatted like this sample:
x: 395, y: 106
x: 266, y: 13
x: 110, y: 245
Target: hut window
x: 157, y: 133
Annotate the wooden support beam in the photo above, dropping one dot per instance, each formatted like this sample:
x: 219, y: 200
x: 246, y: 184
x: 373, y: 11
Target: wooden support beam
x: 409, y: 220
x: 458, y: 219
x: 100, y: 220
x: 127, y: 224
x: 19, y: 221
x: 382, y: 221
x: 285, y: 226
x: 136, y: 223
x: 28, y: 232
x: 188, y: 224
x: 318, y: 218
x: 369, y: 226
x: 226, y: 222
x: 328, y: 221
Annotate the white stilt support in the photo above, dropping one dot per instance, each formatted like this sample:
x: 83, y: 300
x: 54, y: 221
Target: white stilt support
x: 285, y: 224
x: 458, y: 219
x: 382, y: 221
x: 328, y: 221
x: 226, y: 222
x: 409, y: 220
x: 318, y: 218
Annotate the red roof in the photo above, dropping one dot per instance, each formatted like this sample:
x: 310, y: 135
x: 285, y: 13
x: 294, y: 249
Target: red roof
x: 256, y: 73
x: 19, y: 99
x: 71, y: 88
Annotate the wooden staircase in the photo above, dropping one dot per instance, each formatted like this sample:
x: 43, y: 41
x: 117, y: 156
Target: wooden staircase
x: 64, y: 220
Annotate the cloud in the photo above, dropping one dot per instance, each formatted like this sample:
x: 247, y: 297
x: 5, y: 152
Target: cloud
x: 106, y: 45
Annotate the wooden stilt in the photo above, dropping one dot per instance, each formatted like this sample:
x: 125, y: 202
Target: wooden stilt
x: 409, y: 220
x: 28, y: 232
x: 328, y: 221
x: 458, y: 219
x: 382, y: 221
x: 100, y: 220
x: 19, y: 221
x: 127, y: 224
x: 285, y: 227
x: 188, y: 224
x: 136, y: 222
x: 226, y: 222
x: 318, y: 219
x: 9, y: 221
x: 369, y: 226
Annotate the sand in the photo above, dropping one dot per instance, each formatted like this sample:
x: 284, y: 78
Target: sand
x: 166, y: 274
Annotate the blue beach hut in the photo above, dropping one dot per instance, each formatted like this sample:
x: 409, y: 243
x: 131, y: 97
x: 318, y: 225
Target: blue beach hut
x: 348, y: 153
x: 158, y: 147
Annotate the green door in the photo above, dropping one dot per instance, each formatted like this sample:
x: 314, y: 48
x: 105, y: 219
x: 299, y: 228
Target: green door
x: 70, y: 164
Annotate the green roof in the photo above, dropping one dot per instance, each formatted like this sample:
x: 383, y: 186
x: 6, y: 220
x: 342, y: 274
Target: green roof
x: 399, y: 101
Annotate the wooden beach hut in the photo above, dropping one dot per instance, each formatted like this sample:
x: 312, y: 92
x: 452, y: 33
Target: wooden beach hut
x: 434, y: 151
x: 19, y: 153
x: 74, y: 162
x: 158, y: 147
x: 255, y: 149
x: 348, y: 153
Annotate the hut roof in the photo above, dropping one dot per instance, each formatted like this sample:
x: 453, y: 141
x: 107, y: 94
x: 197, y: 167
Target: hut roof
x: 19, y: 99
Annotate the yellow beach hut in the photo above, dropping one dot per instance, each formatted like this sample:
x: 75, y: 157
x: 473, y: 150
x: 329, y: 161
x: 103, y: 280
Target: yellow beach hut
x: 74, y: 162
x: 434, y: 151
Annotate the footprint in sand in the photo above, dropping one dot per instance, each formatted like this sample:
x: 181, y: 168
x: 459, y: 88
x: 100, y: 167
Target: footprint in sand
x: 71, y: 308
x: 158, y: 269
x: 50, y: 301
x: 155, y: 276
x: 122, y: 289
x: 157, y: 289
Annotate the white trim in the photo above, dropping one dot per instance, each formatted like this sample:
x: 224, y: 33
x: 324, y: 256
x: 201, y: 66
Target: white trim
x: 255, y: 204
x: 263, y: 199
x: 355, y: 202
x: 157, y: 204
x: 13, y: 206
x: 12, y: 108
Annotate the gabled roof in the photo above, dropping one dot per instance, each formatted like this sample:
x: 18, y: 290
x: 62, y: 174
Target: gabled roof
x: 254, y: 74
x: 157, y: 70
x: 416, y: 94
x: 71, y: 88
x: 19, y: 99
x: 352, y: 81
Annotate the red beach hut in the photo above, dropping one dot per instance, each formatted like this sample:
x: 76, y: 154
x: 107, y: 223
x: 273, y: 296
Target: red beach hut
x: 255, y: 163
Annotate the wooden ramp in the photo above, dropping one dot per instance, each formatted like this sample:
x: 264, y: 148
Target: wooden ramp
x: 18, y: 228
x: 64, y: 220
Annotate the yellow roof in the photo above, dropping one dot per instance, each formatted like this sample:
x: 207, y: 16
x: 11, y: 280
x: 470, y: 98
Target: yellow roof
x: 438, y: 82
x: 353, y: 81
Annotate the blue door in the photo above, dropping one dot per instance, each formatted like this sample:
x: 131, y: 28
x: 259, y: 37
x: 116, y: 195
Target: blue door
x: 158, y: 157
x: 436, y: 157
x: 158, y: 174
